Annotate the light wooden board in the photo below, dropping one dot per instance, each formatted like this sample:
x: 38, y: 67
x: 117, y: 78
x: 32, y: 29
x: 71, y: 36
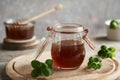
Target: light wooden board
x: 19, y: 69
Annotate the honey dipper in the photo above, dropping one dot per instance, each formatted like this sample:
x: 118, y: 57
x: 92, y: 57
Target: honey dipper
x: 58, y: 7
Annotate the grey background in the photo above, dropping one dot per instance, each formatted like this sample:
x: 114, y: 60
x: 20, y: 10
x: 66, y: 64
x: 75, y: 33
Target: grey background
x: 90, y: 13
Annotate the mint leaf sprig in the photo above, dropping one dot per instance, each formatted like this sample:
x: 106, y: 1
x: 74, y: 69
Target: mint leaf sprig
x: 95, y: 62
x: 42, y: 69
x: 114, y: 24
x: 107, y: 52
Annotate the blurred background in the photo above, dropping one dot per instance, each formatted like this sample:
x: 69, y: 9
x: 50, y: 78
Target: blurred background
x: 90, y: 13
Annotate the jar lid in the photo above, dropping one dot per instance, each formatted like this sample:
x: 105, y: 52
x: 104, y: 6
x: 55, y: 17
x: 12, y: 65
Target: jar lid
x: 68, y: 28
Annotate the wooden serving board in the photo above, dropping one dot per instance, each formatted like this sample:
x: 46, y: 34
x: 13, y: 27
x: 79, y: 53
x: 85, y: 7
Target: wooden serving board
x: 19, y: 69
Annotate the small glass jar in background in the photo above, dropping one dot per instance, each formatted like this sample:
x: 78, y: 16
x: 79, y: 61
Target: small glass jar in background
x: 17, y: 31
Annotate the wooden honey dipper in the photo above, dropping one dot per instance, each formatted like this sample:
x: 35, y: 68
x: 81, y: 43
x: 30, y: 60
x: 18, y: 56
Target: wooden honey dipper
x: 58, y: 7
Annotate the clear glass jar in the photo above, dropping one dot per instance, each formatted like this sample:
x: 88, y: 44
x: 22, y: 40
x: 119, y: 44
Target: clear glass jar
x: 17, y: 31
x: 68, y: 51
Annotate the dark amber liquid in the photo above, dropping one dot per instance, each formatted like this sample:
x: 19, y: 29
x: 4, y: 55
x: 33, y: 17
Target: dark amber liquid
x: 68, y: 53
x: 19, y: 32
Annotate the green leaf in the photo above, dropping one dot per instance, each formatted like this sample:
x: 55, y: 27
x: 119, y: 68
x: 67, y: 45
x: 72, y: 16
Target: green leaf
x: 44, y: 66
x: 112, y: 49
x: 94, y: 65
x: 50, y: 71
x: 96, y: 59
x: 113, y: 54
x: 114, y: 24
x: 36, y: 64
x: 36, y: 72
x: 99, y: 66
x: 88, y: 64
x: 49, y: 62
x: 47, y: 72
x: 103, y: 47
x: 91, y: 59
x: 101, y: 53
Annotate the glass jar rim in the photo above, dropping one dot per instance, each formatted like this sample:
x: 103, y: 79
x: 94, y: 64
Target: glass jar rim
x: 68, y: 28
x: 11, y: 21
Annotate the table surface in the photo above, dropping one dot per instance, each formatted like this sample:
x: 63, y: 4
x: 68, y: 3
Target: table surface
x: 7, y: 55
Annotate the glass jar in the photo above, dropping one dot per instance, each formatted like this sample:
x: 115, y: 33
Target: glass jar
x: 68, y: 51
x: 17, y: 31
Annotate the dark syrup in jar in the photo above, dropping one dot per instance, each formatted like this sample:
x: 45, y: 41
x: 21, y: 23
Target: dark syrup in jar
x: 18, y: 31
x: 68, y: 53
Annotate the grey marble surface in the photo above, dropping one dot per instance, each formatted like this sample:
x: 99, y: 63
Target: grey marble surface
x: 90, y: 13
